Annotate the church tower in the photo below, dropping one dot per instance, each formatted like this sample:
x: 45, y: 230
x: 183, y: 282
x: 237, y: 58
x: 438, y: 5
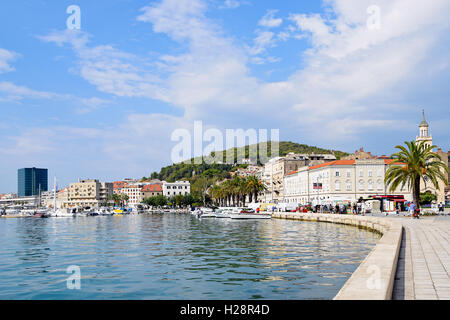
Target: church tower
x: 424, y: 134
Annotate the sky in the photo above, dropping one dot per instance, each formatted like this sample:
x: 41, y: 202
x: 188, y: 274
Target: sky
x: 102, y: 101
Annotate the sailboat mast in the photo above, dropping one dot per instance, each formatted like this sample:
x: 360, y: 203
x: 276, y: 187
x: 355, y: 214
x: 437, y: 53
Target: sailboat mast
x: 54, y: 196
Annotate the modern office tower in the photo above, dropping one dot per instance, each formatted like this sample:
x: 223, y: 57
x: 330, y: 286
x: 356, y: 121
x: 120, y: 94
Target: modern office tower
x: 31, y: 180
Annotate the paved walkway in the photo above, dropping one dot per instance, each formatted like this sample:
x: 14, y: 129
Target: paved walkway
x: 423, y: 270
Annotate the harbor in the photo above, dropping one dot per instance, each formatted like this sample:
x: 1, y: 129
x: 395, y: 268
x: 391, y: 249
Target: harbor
x: 178, y: 256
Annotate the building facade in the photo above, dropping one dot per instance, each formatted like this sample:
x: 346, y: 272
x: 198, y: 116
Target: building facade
x: 152, y: 190
x: 89, y: 193
x: 277, y: 168
x: 171, y: 189
x: 340, y: 181
x: 31, y: 180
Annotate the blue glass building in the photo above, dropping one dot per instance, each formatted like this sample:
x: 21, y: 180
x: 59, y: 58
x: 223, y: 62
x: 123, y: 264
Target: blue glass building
x: 31, y: 180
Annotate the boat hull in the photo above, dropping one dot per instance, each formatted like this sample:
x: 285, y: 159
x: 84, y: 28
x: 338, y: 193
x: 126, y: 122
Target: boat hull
x: 246, y: 216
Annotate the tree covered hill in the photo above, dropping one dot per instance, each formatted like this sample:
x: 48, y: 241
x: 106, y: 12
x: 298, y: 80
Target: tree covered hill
x: 190, y: 171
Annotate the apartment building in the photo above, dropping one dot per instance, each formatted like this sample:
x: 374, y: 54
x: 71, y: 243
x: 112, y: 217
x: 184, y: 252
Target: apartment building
x: 134, y: 193
x: 89, y: 193
x: 277, y: 168
x: 171, y: 189
x: 152, y: 190
x: 340, y: 181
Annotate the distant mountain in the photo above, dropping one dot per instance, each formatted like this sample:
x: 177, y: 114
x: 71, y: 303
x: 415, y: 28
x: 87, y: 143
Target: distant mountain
x: 187, y: 171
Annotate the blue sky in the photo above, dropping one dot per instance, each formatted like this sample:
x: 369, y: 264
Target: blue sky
x: 102, y: 102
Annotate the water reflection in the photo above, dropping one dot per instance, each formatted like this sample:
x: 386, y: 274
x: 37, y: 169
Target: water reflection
x: 34, y: 249
x: 179, y: 257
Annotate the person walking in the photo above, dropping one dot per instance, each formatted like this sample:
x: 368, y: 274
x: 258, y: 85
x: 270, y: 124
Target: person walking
x: 412, y: 209
x: 363, y: 208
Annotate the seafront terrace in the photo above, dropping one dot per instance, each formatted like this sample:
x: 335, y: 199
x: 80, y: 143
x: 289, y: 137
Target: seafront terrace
x: 410, y: 262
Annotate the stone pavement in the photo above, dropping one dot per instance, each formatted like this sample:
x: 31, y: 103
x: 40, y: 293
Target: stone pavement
x: 423, y: 269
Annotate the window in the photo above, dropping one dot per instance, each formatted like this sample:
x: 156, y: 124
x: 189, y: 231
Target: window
x: 361, y: 173
x: 380, y: 174
x: 349, y: 185
x: 348, y: 174
x: 361, y: 185
x: 380, y: 185
x: 370, y: 185
x: 338, y: 174
x: 370, y: 173
x: 337, y: 185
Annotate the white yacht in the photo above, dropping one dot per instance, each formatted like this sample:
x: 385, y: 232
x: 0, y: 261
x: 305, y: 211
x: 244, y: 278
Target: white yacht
x: 247, y: 213
x: 104, y: 211
x: 224, y: 213
x: 204, y: 213
x: 62, y: 213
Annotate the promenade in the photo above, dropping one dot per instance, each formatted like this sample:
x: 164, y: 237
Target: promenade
x: 423, y: 268
x: 413, y: 256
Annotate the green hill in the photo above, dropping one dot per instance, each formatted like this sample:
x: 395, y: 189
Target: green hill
x: 187, y: 171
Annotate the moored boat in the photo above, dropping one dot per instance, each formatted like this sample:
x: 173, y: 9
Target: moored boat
x: 247, y: 213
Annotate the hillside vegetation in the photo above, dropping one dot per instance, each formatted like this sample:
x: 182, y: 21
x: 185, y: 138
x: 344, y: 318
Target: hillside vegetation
x: 217, y: 171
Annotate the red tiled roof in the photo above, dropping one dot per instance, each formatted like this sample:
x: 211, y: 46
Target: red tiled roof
x: 334, y: 163
x: 152, y: 188
x: 293, y: 172
x: 119, y: 184
x: 389, y: 161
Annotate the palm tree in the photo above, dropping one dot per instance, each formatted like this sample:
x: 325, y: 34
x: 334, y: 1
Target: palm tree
x: 413, y: 164
x: 124, y: 198
x: 227, y: 191
x: 115, y: 198
x: 243, y: 189
x: 216, y: 193
x: 236, y: 189
x: 255, y: 186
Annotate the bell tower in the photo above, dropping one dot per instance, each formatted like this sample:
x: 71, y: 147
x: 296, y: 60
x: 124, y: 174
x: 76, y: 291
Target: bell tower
x: 424, y: 133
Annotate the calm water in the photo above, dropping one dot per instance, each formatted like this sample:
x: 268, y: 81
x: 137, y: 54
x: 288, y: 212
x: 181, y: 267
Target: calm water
x: 177, y: 257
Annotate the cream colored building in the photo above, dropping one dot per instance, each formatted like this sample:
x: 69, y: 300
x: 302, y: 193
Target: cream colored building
x: 341, y: 180
x: 134, y: 193
x: 89, y: 193
x: 277, y: 168
x: 62, y: 198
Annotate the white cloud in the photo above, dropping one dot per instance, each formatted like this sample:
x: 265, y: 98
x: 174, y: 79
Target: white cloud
x: 110, y: 70
x: 264, y: 40
x: 13, y: 92
x: 232, y: 4
x: 90, y: 104
x: 269, y: 20
x: 352, y: 79
x: 6, y: 57
x: 10, y: 92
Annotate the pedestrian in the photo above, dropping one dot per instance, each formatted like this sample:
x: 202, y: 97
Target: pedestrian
x: 363, y: 208
x: 412, y: 209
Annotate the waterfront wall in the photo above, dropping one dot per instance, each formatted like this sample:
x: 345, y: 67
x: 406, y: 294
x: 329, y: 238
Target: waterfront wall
x: 374, y: 278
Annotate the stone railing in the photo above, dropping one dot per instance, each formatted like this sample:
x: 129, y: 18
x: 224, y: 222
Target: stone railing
x: 374, y: 278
